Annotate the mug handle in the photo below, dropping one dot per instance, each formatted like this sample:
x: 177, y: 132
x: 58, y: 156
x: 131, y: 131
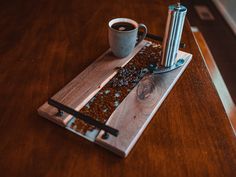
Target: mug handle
x: 143, y: 34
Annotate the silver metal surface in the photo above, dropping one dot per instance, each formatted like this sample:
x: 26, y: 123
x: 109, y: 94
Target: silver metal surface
x: 161, y: 69
x: 173, y: 32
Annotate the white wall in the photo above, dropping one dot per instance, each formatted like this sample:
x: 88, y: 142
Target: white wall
x: 228, y: 10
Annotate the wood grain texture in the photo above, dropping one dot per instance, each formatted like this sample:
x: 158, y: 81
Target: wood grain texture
x: 41, y: 39
x: 84, y: 86
x: 133, y: 114
x: 217, y: 79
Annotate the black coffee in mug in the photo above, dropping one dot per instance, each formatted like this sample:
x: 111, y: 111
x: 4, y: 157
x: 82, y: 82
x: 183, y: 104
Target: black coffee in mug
x: 123, y: 26
x: 122, y: 35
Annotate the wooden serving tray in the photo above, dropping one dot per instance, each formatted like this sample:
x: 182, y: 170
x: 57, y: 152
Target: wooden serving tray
x: 130, y: 117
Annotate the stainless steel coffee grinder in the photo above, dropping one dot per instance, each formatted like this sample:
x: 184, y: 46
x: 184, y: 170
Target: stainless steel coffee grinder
x: 171, y: 41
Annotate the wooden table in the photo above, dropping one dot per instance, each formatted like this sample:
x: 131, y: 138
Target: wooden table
x: 45, y: 43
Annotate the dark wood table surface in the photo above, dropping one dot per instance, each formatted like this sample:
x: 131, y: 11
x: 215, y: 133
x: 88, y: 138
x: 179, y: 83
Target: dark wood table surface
x: 44, y: 44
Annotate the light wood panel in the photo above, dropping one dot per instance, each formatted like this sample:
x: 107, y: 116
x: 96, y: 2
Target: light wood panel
x: 133, y: 114
x: 84, y: 86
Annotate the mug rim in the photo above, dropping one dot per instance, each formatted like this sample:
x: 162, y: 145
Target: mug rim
x: 115, y: 20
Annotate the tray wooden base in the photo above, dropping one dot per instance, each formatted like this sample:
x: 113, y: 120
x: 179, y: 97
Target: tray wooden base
x: 83, y: 87
x: 130, y: 117
x: 133, y: 115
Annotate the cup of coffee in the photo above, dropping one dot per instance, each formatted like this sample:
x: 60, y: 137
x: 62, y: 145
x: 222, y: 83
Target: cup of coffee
x: 123, y: 36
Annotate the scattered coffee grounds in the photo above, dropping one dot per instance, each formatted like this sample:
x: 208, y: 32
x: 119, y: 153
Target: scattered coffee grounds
x: 104, y: 103
x: 123, y: 26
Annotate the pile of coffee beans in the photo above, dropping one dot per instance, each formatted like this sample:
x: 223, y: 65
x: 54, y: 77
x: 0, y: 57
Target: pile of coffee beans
x: 104, y: 103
